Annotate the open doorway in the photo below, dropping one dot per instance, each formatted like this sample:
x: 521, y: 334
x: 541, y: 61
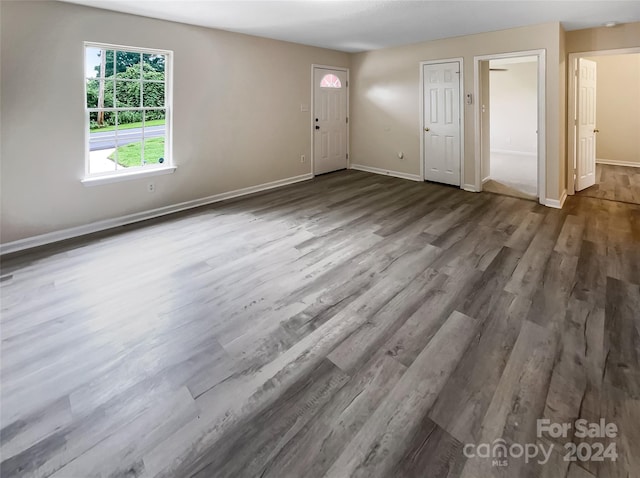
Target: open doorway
x: 603, y: 139
x: 513, y: 107
x: 510, y: 133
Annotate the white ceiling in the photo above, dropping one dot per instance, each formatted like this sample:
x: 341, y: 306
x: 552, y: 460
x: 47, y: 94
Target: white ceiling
x: 358, y: 25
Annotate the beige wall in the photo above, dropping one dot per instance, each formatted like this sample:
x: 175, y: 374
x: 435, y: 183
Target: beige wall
x: 618, y: 107
x: 561, y: 107
x: 237, y: 118
x: 514, y: 107
x: 598, y: 39
x: 385, y: 99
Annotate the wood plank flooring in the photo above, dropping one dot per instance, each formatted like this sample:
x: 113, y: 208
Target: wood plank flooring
x: 355, y: 325
x: 494, y: 186
x: 616, y: 183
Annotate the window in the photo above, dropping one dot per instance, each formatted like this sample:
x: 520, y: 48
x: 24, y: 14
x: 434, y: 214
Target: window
x: 330, y: 81
x: 128, y: 114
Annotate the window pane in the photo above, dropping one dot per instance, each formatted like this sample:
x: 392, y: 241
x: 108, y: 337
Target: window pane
x: 128, y: 94
x: 109, y: 90
x: 154, y: 134
x: 130, y: 119
x: 330, y: 81
x: 99, y: 93
x: 153, y: 94
x: 128, y: 64
x: 154, y: 121
x: 130, y: 155
x: 102, y: 142
x: 92, y: 93
x: 102, y: 120
x: 153, y: 67
x: 129, y: 139
x: 94, y: 62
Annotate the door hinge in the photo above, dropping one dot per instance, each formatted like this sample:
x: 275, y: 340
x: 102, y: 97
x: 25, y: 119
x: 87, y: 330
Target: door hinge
x: 347, y: 84
x: 347, y: 120
x: 347, y: 155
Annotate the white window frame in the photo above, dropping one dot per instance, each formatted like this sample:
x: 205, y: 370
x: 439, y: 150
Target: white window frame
x: 168, y: 166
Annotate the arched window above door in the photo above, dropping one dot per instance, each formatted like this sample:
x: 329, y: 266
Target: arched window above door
x: 330, y: 81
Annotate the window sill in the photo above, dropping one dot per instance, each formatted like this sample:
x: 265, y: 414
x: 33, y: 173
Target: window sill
x: 116, y: 178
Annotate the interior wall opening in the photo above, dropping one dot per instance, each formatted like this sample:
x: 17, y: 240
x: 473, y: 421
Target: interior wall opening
x: 509, y: 108
x: 606, y: 113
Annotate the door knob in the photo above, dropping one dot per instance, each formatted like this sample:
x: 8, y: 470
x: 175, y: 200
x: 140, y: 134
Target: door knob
x: 317, y: 127
x: 596, y: 130
x: 427, y: 129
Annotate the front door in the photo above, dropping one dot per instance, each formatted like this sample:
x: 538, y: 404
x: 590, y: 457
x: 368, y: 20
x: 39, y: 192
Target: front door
x: 441, y: 87
x: 586, y: 125
x: 329, y: 120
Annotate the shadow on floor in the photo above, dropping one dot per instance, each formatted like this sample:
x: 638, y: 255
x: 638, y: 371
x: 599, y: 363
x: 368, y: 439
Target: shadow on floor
x: 497, y: 187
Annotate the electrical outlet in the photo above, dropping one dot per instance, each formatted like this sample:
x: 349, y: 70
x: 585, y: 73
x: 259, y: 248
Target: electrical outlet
x: 151, y: 187
x: 302, y: 158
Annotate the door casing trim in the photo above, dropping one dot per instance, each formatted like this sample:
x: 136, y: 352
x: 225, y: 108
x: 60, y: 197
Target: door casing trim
x: 312, y: 108
x: 460, y: 61
x: 542, y: 118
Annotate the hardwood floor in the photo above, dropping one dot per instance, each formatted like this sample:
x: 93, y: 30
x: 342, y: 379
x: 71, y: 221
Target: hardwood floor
x: 492, y: 186
x: 616, y: 183
x: 353, y: 325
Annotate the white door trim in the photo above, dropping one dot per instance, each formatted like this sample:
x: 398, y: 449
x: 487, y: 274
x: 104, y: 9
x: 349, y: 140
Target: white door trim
x: 572, y: 65
x: 461, y: 79
x: 315, y: 66
x: 542, y: 119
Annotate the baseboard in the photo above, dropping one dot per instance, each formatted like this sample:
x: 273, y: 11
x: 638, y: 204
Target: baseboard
x: 613, y: 162
x: 514, y: 153
x: 56, y: 236
x: 555, y: 203
x: 386, y: 172
x: 470, y: 187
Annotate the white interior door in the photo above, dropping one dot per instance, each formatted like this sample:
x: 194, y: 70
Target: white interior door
x: 441, y: 87
x: 329, y: 120
x: 586, y: 125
